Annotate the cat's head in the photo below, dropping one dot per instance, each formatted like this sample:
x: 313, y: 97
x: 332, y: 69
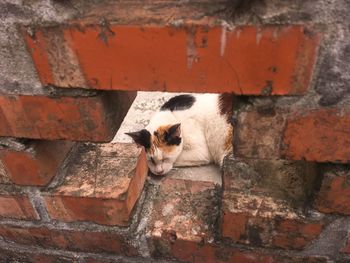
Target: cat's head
x: 162, y: 146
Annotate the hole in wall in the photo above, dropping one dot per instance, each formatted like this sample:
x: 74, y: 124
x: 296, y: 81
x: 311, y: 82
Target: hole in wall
x: 145, y: 105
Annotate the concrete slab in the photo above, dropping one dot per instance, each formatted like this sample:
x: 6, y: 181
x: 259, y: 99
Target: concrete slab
x: 207, y: 173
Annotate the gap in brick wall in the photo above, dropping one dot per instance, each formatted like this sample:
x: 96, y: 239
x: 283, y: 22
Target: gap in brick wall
x: 140, y: 112
x: 138, y: 116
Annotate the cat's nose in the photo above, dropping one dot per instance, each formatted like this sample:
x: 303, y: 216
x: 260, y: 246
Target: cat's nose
x: 159, y: 170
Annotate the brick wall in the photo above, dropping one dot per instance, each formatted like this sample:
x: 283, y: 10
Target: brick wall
x: 69, y: 71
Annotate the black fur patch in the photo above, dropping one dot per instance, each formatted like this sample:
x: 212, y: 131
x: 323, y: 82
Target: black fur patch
x: 142, y: 137
x: 180, y: 102
x: 171, y: 136
x: 225, y: 105
x: 174, y: 141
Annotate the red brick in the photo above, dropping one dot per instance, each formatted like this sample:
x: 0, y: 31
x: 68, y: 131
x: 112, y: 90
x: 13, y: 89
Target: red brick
x: 37, y: 164
x: 295, y: 234
x: 186, y: 251
x: 259, y: 203
x: 265, y: 221
x: 33, y: 257
x: 182, y: 226
x: 182, y: 211
x: 15, y: 204
x: 73, y: 240
x: 258, y: 134
x: 183, y: 222
x: 190, y: 252
x: 334, y: 195
x: 194, y: 57
x: 313, y: 135
x: 102, y: 185
x: 319, y: 135
x: 81, y: 118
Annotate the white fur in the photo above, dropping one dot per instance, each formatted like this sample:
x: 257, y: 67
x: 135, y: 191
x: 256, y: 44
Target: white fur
x: 203, y: 132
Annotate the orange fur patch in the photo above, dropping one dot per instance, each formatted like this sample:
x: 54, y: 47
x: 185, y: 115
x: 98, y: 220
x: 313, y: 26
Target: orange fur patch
x: 158, y: 140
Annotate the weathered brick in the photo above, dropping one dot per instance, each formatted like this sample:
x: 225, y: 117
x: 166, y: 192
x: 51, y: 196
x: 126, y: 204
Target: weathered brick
x: 73, y: 240
x: 78, y: 118
x: 261, y: 199
x: 187, y: 251
x: 37, y: 164
x: 197, y: 57
x: 102, y: 184
x: 258, y: 134
x: 262, y: 221
x: 291, y: 181
x: 292, y: 258
x: 320, y: 135
x: 183, y: 211
x: 16, y: 204
x: 346, y: 248
x: 8, y: 256
x: 334, y: 195
x: 314, y: 135
x: 183, y: 226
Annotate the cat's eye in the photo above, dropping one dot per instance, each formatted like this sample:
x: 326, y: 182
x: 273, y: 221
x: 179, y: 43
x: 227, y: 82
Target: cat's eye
x: 152, y: 160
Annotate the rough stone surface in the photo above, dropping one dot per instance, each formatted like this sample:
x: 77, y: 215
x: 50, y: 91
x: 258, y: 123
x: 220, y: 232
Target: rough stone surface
x: 101, y: 185
x: 36, y: 165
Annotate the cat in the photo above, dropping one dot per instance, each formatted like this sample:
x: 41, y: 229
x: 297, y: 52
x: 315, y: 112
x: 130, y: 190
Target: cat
x: 188, y: 130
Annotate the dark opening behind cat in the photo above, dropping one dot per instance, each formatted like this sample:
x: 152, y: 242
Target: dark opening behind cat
x: 188, y: 130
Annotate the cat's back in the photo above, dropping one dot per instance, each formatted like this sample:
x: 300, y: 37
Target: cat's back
x: 205, y: 122
x: 192, y: 105
x: 200, y: 108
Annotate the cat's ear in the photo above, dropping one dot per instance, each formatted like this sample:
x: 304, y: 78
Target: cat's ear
x: 142, y: 137
x: 172, y: 135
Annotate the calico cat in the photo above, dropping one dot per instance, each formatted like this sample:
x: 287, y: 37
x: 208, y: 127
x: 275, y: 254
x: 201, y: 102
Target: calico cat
x: 188, y: 130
